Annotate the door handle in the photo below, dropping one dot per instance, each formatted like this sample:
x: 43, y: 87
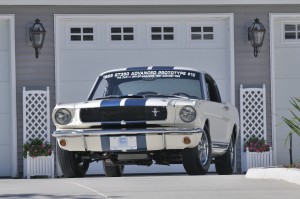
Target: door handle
x: 226, y: 108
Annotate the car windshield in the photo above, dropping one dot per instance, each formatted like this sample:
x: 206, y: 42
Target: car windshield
x: 152, y: 83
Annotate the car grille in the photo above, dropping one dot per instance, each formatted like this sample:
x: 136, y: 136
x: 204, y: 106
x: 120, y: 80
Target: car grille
x: 114, y: 114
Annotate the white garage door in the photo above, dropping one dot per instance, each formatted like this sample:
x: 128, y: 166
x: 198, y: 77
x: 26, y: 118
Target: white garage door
x: 88, y: 45
x: 6, y: 131
x: 286, y: 80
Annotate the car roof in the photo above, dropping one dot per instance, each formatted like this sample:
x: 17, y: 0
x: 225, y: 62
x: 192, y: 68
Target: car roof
x: 142, y: 68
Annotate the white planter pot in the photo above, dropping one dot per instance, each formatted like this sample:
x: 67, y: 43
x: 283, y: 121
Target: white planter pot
x: 259, y: 159
x: 39, y: 166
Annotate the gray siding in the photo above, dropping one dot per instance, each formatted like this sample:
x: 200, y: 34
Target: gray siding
x: 40, y: 73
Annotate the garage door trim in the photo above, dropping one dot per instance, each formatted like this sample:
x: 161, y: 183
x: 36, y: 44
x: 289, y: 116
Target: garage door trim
x: 273, y: 17
x: 13, y: 124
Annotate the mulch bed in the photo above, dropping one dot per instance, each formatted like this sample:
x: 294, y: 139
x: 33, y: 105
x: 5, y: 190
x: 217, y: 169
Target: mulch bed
x: 295, y: 165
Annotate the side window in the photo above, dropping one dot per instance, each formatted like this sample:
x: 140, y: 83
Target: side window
x: 101, y: 89
x: 213, y: 93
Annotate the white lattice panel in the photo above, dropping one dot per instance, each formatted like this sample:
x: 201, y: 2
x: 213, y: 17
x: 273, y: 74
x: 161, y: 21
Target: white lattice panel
x: 253, y: 113
x: 36, y: 115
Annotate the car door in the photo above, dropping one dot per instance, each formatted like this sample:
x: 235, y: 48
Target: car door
x: 218, y: 113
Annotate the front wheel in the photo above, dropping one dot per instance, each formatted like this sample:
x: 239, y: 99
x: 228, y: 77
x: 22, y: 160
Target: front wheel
x: 225, y: 164
x: 196, y: 161
x: 71, y: 163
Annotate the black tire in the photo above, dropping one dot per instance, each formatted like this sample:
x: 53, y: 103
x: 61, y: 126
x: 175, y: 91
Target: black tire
x: 196, y: 161
x: 225, y: 164
x: 112, y: 171
x: 71, y: 163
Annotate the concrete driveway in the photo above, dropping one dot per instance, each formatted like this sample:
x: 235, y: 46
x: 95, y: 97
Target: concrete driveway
x: 169, y: 186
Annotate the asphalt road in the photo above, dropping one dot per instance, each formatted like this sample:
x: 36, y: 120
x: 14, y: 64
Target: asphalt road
x: 171, y: 186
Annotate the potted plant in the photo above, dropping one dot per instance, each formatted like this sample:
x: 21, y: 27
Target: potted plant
x: 254, y: 144
x: 37, y: 148
x: 39, y: 158
x: 258, y: 153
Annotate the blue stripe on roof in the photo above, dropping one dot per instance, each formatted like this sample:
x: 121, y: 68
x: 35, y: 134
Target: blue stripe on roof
x: 137, y: 68
x: 110, y: 103
x: 135, y: 102
x: 163, y: 68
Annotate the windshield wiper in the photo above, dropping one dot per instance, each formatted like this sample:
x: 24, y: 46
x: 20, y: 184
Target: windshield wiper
x: 120, y: 97
x: 107, y: 97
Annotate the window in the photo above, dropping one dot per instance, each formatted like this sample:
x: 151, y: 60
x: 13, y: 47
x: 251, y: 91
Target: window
x: 82, y: 34
x: 291, y: 32
x: 125, y: 33
x: 162, y: 33
x: 213, y: 93
x: 201, y: 33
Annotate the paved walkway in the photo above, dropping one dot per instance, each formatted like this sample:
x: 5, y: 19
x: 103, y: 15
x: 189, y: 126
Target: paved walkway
x: 168, y: 186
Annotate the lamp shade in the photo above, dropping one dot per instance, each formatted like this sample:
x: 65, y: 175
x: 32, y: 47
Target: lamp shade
x: 37, y: 36
x: 256, y: 33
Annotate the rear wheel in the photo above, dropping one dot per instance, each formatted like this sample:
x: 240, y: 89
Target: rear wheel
x: 112, y: 171
x: 196, y: 161
x: 71, y: 163
x: 225, y: 164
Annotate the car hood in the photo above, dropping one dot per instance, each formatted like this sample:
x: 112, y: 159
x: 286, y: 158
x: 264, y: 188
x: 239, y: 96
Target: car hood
x: 116, y: 102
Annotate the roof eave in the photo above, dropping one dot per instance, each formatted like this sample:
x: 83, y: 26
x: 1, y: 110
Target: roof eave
x: 148, y: 2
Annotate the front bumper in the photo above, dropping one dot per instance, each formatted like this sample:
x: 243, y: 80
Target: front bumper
x: 144, y: 139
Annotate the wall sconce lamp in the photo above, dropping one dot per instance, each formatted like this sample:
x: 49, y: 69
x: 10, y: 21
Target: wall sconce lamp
x: 256, y: 35
x: 37, y: 34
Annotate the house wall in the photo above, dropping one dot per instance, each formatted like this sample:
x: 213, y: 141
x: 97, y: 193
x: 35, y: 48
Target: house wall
x: 39, y: 73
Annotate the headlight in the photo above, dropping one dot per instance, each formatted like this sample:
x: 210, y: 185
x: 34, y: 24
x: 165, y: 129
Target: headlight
x: 187, y: 114
x: 63, y: 116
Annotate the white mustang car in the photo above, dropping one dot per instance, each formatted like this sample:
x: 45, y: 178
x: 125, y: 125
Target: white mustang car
x: 145, y: 115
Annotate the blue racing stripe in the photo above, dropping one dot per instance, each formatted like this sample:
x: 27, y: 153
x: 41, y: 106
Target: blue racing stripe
x: 137, y: 68
x: 163, y: 68
x: 135, y: 102
x: 110, y: 103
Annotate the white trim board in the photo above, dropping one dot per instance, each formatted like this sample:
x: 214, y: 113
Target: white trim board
x: 147, y: 2
x: 13, y: 108
x: 228, y: 16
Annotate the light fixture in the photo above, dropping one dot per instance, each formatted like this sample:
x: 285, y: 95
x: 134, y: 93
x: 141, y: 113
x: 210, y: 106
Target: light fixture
x: 37, y: 34
x: 256, y: 35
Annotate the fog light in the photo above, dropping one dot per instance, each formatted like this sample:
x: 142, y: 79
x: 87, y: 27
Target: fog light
x: 187, y: 140
x: 63, y: 142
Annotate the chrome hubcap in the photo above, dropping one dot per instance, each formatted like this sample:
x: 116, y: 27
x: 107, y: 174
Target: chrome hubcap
x: 232, y: 153
x: 203, y: 149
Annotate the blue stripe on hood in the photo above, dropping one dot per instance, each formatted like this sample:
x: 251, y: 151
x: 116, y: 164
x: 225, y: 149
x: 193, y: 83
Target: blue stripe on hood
x: 110, y: 103
x: 135, y: 102
x: 163, y: 68
x: 137, y: 68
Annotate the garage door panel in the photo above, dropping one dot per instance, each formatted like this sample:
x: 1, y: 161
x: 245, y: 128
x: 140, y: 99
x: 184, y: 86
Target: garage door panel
x: 223, y: 86
x: 75, y: 91
x: 4, y: 66
x: 4, y: 42
x: 5, y: 97
x: 5, y: 163
x: 5, y: 130
x: 285, y: 89
x: 287, y: 63
x: 87, y: 66
x: 91, y: 63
